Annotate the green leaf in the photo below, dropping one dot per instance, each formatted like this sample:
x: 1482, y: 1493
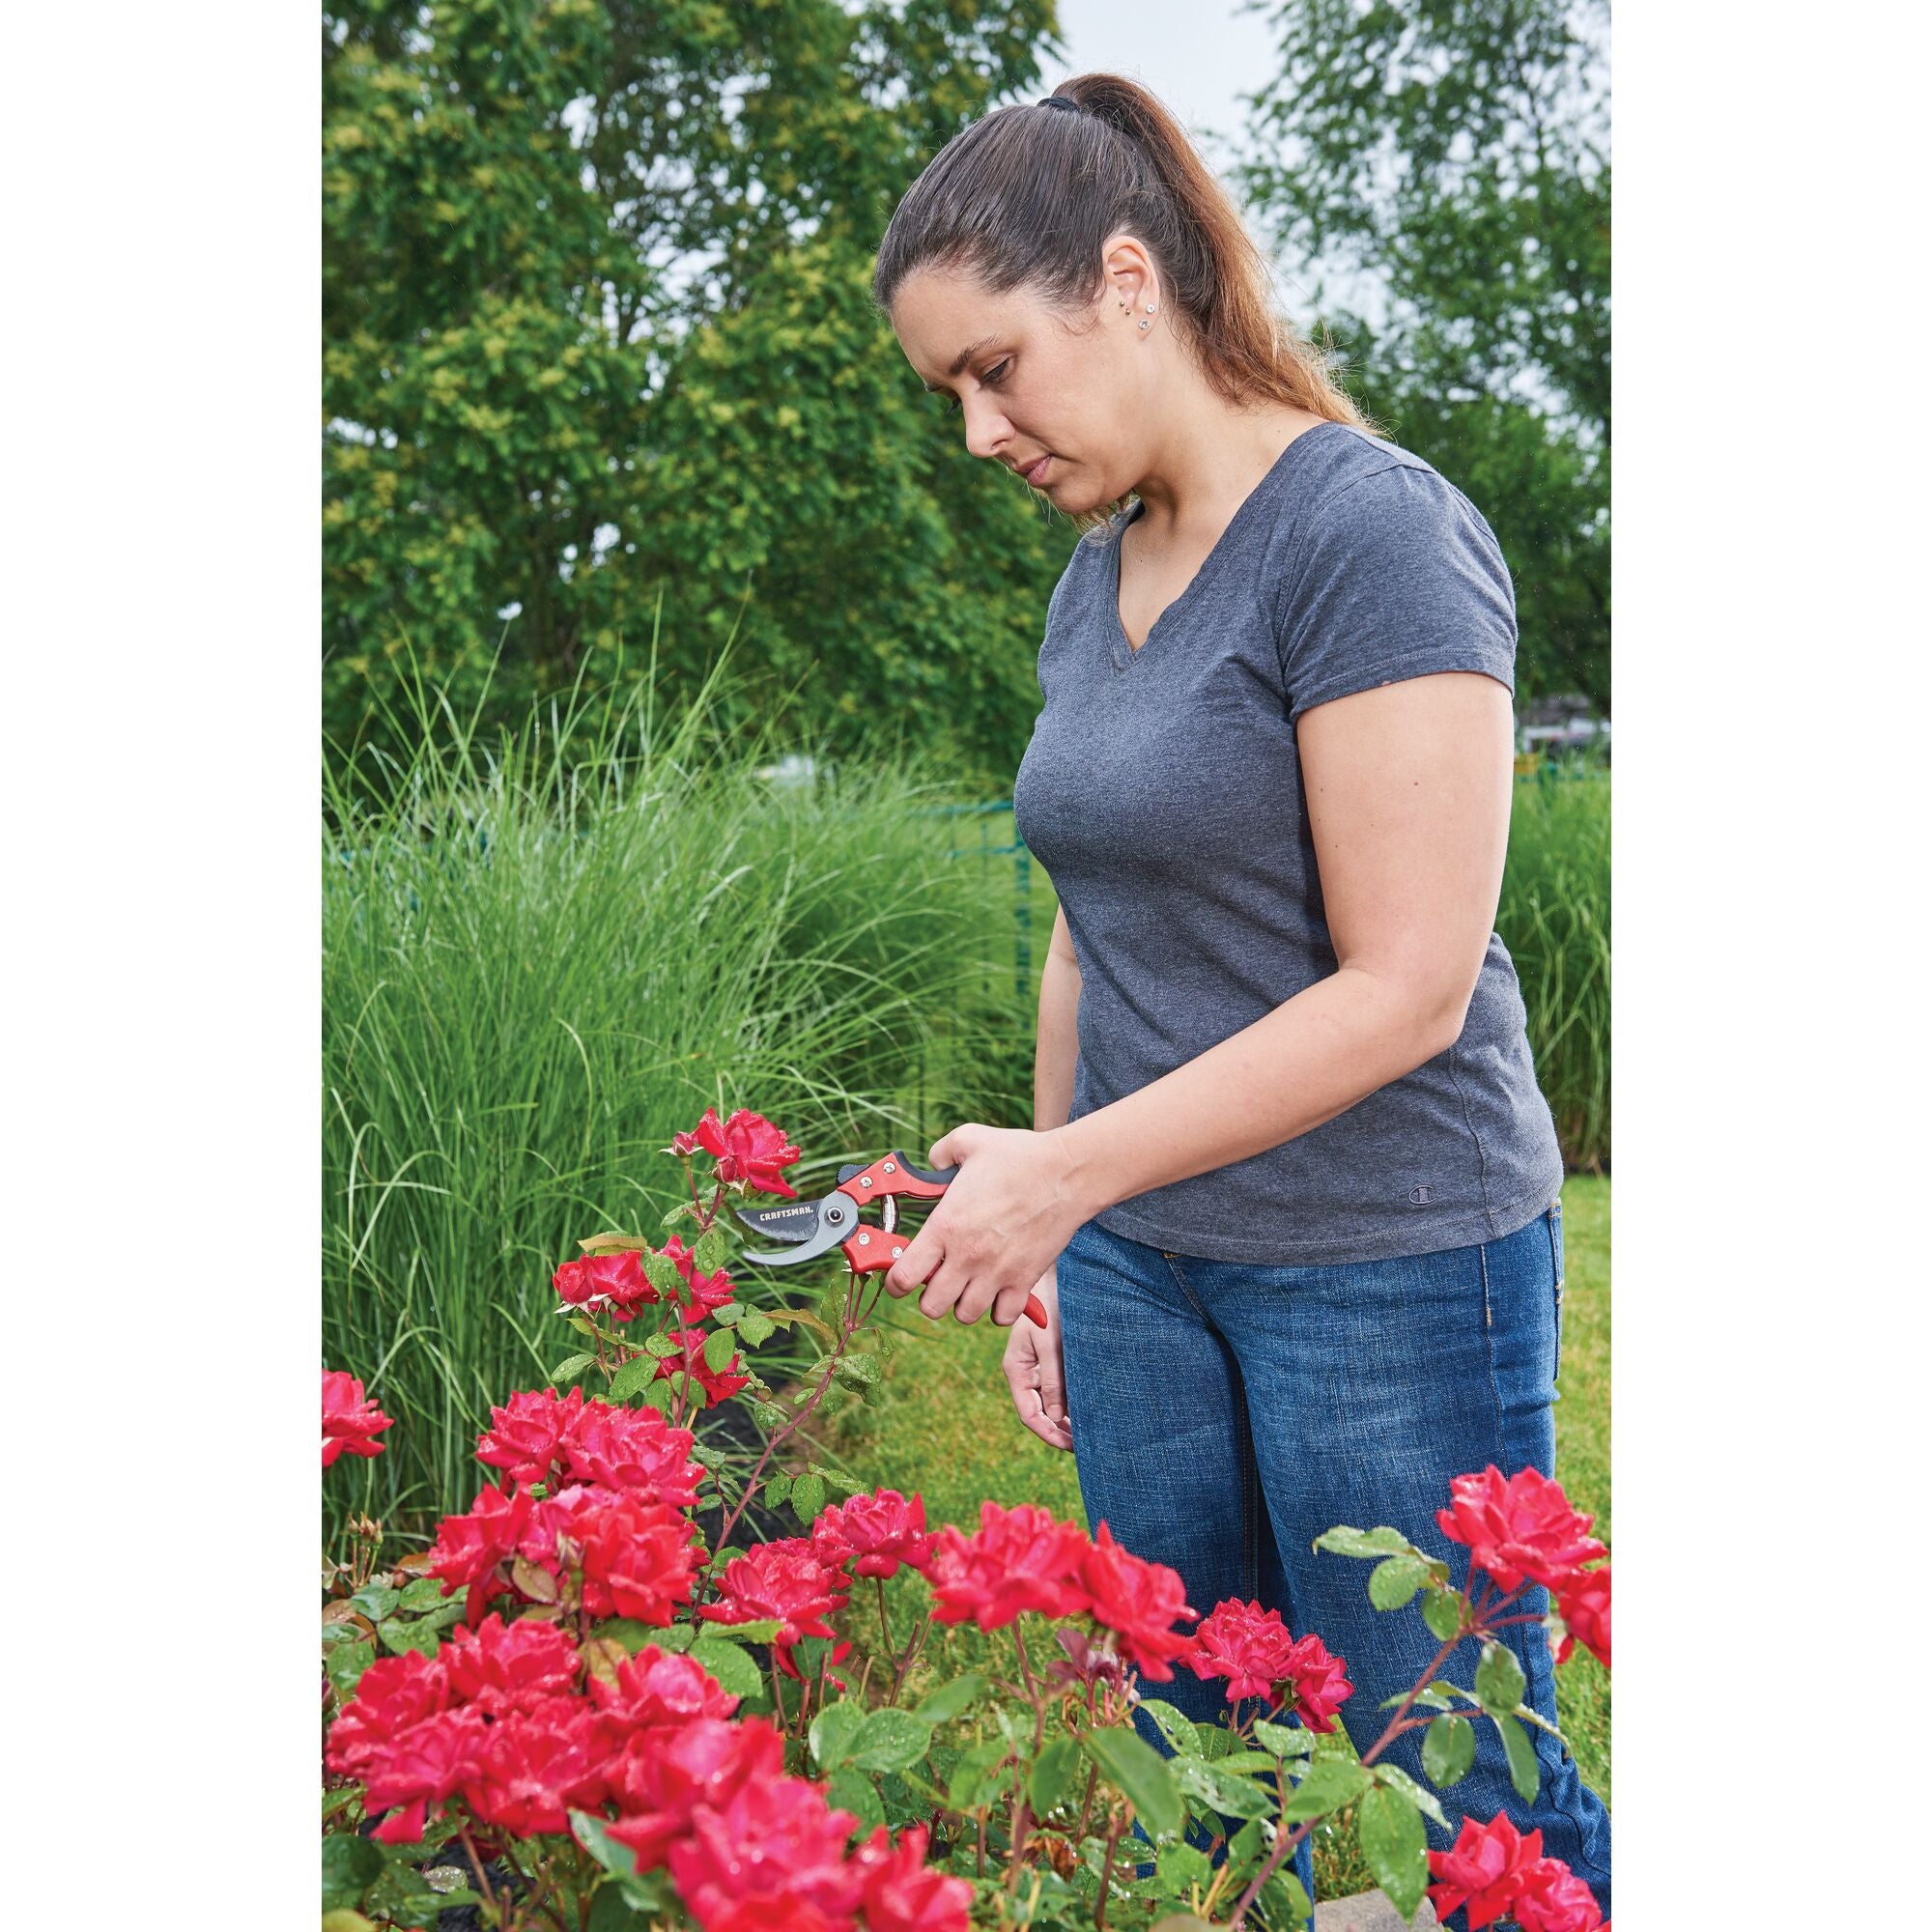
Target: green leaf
x: 1389, y: 1830
x: 1283, y: 1739
x: 754, y: 1327
x: 762, y: 1630
x: 1225, y: 1790
x: 1145, y: 1778
x: 662, y: 1272
x: 890, y: 1739
x: 853, y: 1791
x: 776, y: 1492
x: 735, y: 1669
x: 858, y: 1367
x: 1499, y: 1680
x: 938, y: 1706
x: 1379, y: 1542
x: 964, y: 1788
x: 630, y: 1378
x: 807, y: 1496
x: 728, y: 1317
x: 376, y: 1601
x: 833, y: 1731
x: 1331, y: 1783
x: 1448, y: 1750
x: 711, y: 1250
x: 1442, y: 1612
x: 1524, y: 1774
x: 345, y: 1664
x: 426, y: 1593
x: 420, y: 1636
x: 1420, y: 1796
x: 634, y: 1635
x: 573, y: 1365
x: 594, y: 1834
x: 1179, y: 1730
x: 1180, y: 1868
x: 1052, y: 1772
x: 719, y: 1345
x: 662, y: 1347
x: 350, y: 1864
x: 1393, y: 1581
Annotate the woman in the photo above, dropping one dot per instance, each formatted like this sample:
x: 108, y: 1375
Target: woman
x: 1291, y: 1202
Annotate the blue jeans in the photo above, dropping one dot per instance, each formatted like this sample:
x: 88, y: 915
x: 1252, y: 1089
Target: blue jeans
x: 1226, y: 1414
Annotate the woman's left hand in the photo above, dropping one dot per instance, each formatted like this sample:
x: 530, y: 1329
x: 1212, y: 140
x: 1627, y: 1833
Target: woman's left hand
x: 1000, y: 1225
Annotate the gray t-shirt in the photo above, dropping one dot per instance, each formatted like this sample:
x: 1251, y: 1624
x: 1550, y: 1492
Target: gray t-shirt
x: 1162, y: 792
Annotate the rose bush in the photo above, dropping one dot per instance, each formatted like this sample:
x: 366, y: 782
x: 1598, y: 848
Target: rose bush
x: 571, y: 1712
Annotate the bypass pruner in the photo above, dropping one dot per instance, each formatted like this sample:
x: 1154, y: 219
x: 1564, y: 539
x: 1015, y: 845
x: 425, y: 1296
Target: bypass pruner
x: 816, y: 1228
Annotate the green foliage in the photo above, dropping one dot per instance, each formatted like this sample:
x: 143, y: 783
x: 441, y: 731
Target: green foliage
x: 1554, y: 918
x: 1461, y: 157
x: 543, y: 956
x: 598, y: 344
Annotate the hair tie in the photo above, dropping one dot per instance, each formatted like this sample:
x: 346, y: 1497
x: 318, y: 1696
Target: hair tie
x: 1060, y: 100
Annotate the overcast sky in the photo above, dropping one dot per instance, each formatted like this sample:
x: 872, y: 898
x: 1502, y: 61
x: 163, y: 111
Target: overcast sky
x: 1199, y: 56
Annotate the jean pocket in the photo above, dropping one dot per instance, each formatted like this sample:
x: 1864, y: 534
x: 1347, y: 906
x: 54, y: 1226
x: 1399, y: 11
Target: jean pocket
x: 1554, y: 1217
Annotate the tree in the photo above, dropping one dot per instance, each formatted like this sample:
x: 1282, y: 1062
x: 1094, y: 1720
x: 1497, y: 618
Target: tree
x: 597, y: 332
x: 1458, y: 152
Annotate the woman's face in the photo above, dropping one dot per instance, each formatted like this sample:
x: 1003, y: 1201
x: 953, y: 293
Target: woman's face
x: 1034, y: 384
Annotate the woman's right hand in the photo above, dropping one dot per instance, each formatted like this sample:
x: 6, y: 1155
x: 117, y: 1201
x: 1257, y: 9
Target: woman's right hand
x: 1033, y: 1371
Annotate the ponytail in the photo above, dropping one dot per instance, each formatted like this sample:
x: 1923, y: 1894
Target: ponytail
x: 1028, y: 196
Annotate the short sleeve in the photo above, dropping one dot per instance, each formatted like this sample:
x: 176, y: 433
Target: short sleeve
x: 1395, y: 576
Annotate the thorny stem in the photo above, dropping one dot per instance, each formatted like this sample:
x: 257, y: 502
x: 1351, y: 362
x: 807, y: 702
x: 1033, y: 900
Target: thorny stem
x: 884, y: 1627
x: 1114, y: 1824
x: 914, y: 1645
x: 847, y: 1327
x: 476, y: 1865
x: 1022, y: 1816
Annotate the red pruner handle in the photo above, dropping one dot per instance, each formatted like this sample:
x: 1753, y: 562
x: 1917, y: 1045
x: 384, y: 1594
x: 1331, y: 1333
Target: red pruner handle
x: 894, y: 1174
x: 1035, y: 1311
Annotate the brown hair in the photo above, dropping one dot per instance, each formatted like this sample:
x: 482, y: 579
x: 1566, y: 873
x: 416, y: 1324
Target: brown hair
x: 1028, y: 196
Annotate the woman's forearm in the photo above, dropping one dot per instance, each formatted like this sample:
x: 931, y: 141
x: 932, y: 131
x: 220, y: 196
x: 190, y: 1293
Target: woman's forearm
x: 1057, y: 1044
x: 1314, y: 1057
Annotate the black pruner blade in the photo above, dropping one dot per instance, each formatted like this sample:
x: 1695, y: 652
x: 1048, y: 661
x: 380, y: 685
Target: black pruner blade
x: 814, y: 1228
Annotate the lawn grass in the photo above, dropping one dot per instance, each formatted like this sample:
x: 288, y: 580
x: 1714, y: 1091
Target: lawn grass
x: 941, y: 1423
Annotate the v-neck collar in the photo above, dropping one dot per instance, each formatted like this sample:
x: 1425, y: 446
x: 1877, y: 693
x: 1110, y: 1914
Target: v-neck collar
x: 1122, y: 649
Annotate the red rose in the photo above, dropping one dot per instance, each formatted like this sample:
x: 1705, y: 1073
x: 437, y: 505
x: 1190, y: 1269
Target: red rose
x: 785, y: 1579
x: 747, y: 1146
x: 392, y: 1695
x: 637, y: 1560
x: 1139, y: 1601
x: 772, y: 1854
x: 573, y: 1285
x: 1554, y: 1899
x: 1583, y: 1603
x: 708, y: 1292
x: 875, y: 1534
x: 632, y: 1449
x: 536, y: 1764
x: 1247, y: 1646
x: 527, y: 1434
x: 717, y: 1384
x: 619, y: 1282
x: 901, y: 1895
x: 559, y: 1516
x: 421, y: 1766
x: 1520, y: 1527
x: 662, y: 1777
x: 1019, y: 1559
x: 503, y: 1667
x: 469, y: 1548
x: 350, y: 1422
x: 1486, y: 1869
x: 1321, y: 1684
x: 657, y: 1687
